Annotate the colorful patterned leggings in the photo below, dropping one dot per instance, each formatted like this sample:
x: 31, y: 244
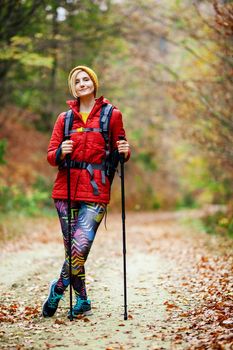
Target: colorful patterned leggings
x: 85, y: 220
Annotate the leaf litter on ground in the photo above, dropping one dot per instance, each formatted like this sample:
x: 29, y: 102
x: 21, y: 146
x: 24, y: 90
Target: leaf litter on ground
x: 197, y: 310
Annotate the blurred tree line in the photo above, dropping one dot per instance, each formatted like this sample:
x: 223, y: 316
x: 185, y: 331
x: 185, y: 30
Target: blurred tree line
x: 167, y: 65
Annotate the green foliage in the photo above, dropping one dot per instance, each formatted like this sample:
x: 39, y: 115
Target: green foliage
x: 21, y: 50
x: 43, y: 186
x: 220, y: 223
x: 3, y: 145
x: 155, y: 203
x: 146, y: 160
x: 136, y: 135
x: 32, y: 203
x: 187, y: 201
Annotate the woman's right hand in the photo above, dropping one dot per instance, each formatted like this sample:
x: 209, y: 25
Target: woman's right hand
x: 66, y: 148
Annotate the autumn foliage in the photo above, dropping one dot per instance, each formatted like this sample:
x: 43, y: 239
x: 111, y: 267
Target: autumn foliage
x: 167, y: 66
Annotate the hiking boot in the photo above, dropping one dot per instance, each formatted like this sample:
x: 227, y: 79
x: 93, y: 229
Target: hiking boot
x: 82, y: 307
x: 51, y: 303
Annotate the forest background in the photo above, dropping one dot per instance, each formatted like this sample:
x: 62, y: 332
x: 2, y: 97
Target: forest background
x: 166, y: 64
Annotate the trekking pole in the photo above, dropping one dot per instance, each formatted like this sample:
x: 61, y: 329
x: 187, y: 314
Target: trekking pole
x: 123, y: 228
x: 69, y: 231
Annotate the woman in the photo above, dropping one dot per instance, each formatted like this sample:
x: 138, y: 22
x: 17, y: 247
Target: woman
x: 90, y: 187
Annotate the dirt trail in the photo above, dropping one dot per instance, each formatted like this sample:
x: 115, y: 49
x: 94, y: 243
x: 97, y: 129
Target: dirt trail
x: 166, y: 267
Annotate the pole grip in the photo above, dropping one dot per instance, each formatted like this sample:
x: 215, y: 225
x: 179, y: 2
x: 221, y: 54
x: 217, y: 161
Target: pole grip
x: 121, y: 155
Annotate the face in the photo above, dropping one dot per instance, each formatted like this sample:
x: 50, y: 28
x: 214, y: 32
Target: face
x: 83, y: 84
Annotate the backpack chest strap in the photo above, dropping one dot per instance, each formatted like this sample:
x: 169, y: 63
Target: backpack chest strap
x: 81, y: 129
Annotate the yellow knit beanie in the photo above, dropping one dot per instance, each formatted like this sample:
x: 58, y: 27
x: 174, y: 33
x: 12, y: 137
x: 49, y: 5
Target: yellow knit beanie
x: 72, y: 78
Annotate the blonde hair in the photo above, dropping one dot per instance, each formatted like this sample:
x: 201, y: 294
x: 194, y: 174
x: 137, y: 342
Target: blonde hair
x: 72, y: 79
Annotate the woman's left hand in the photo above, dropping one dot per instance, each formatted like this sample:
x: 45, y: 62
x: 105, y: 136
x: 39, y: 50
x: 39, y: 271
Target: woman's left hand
x: 123, y: 147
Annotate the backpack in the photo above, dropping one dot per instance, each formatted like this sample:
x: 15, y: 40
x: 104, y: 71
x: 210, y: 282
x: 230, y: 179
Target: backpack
x: 111, y: 160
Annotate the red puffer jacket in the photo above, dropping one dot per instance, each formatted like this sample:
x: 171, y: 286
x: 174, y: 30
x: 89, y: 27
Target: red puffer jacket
x: 87, y: 147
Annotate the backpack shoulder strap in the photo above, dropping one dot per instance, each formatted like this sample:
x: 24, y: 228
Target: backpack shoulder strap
x: 105, y: 116
x: 68, y: 122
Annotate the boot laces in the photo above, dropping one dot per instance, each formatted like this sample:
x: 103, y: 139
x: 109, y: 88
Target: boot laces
x: 80, y: 302
x: 54, y: 299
